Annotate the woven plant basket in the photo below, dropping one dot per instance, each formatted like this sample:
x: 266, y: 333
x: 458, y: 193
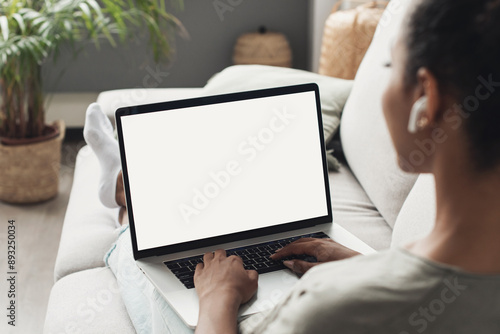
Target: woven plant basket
x: 264, y: 48
x: 346, y: 38
x: 30, y: 173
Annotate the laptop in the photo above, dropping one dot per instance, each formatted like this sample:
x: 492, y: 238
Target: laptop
x: 245, y: 172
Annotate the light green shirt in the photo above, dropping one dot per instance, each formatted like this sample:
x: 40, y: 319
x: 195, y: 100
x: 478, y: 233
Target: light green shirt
x: 392, y: 292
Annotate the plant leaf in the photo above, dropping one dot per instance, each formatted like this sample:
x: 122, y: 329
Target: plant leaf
x: 95, y: 6
x: 86, y: 10
x: 20, y: 22
x: 4, y: 25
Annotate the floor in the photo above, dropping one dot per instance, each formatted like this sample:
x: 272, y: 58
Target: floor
x: 38, y: 230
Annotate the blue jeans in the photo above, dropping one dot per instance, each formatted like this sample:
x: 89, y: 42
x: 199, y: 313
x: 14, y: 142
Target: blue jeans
x: 147, y: 309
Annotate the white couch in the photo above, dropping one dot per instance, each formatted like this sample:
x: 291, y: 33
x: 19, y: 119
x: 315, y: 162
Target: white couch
x: 371, y: 198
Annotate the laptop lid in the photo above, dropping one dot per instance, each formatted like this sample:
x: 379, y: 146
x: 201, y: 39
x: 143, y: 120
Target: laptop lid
x: 211, y: 170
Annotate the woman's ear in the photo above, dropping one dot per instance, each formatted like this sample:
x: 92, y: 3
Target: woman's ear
x: 428, y: 87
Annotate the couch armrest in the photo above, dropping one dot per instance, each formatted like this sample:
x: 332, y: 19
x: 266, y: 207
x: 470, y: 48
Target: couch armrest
x: 89, y: 227
x: 87, y: 302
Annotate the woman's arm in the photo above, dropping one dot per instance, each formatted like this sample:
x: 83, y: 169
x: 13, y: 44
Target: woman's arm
x: 324, y: 250
x: 222, y: 285
x: 218, y: 315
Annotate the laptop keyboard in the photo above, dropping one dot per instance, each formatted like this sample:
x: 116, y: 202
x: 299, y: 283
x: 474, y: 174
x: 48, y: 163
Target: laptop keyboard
x: 255, y: 257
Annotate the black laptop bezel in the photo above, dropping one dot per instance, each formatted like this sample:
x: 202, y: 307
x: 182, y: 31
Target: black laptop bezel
x: 215, y: 99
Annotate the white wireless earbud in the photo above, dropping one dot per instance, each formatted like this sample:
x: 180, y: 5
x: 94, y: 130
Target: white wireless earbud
x: 418, y: 108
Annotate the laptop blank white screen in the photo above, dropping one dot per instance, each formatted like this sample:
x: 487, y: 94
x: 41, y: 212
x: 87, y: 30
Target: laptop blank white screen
x: 211, y: 170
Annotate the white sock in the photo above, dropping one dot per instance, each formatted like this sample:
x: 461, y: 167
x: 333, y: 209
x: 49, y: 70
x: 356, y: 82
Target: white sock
x: 98, y: 133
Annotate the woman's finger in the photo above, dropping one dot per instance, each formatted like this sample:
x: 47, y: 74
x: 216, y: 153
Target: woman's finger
x: 198, y: 269
x: 253, y: 275
x: 209, y: 256
x: 297, y: 248
x: 303, y: 240
x: 220, y: 253
x: 236, y: 258
x: 296, y: 242
x: 299, y: 266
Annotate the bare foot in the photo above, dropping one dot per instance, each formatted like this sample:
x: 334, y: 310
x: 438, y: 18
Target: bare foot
x: 123, y: 216
x: 120, y: 191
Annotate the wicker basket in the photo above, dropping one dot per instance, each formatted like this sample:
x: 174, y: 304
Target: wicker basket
x: 264, y: 48
x: 30, y: 173
x: 346, y: 38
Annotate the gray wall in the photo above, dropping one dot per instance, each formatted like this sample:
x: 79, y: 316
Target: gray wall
x: 208, y: 50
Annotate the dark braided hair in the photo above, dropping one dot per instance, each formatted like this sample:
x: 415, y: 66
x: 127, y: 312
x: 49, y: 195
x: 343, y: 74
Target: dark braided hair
x: 459, y: 42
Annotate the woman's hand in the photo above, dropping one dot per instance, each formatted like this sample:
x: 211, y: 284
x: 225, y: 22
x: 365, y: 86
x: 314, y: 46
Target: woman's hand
x: 220, y: 275
x: 324, y: 250
x: 222, y: 285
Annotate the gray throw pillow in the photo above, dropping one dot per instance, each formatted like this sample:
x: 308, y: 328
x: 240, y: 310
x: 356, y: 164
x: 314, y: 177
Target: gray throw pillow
x: 333, y: 91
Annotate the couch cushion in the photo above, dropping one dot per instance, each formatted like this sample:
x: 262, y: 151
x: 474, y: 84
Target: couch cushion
x: 365, y: 138
x: 353, y: 210
x: 89, y: 227
x: 417, y: 216
x: 333, y: 91
x: 87, y: 302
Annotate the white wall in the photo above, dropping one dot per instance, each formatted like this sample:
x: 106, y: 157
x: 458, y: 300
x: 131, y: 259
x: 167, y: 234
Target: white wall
x: 319, y: 11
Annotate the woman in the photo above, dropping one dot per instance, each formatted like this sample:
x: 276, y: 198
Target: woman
x: 444, y: 88
x: 447, y: 55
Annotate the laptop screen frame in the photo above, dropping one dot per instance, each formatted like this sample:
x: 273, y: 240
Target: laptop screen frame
x: 208, y: 100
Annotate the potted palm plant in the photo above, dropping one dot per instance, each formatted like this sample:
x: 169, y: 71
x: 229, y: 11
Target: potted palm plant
x: 32, y: 31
